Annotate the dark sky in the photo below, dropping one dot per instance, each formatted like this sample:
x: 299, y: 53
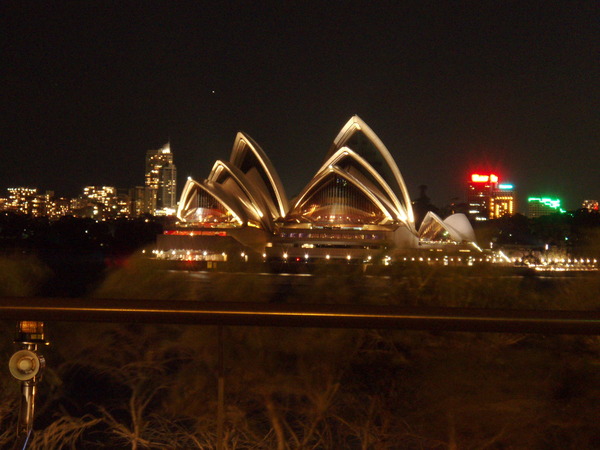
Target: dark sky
x: 449, y: 87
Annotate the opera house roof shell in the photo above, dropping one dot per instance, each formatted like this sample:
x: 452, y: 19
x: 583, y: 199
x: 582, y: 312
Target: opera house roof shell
x: 245, y: 190
x: 358, y: 187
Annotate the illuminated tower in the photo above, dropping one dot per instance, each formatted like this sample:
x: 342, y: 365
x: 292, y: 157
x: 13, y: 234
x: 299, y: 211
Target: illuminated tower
x: 167, y: 187
x: 503, y: 201
x: 161, y: 180
x: 488, y: 198
x: 480, y: 191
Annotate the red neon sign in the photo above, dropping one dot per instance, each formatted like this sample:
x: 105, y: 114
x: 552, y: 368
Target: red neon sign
x: 476, y: 178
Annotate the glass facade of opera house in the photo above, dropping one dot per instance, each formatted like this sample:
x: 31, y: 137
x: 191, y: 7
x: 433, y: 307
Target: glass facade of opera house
x: 355, y: 208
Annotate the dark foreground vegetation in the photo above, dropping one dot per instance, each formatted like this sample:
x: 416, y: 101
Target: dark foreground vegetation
x: 576, y: 232
x: 155, y: 387
x: 150, y: 386
x: 76, y: 251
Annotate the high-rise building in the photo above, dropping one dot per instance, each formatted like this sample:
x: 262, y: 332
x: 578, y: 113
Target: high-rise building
x: 488, y: 198
x: 543, y: 206
x: 167, y: 187
x: 503, y: 201
x: 591, y: 205
x: 137, y: 196
x: 161, y: 180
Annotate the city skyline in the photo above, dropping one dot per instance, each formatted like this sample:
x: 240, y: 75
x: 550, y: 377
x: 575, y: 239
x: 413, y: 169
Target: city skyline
x: 488, y: 196
x: 450, y: 90
x: 168, y: 185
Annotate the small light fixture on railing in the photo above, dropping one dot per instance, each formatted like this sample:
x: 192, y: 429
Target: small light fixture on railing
x: 27, y: 365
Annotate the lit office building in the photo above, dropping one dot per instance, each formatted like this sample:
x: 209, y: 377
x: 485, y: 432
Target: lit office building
x: 591, y: 205
x: 123, y: 203
x: 99, y: 202
x: 543, y: 206
x: 161, y: 180
x: 105, y: 195
x: 503, y: 201
x: 166, y: 195
x: 137, y: 196
x: 488, y: 198
x: 40, y: 204
x: 59, y: 207
x: 27, y: 201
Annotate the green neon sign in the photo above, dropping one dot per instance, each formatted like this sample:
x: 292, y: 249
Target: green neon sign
x: 553, y: 203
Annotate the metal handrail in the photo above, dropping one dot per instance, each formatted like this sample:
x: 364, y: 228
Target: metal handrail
x: 276, y: 314
x: 300, y: 315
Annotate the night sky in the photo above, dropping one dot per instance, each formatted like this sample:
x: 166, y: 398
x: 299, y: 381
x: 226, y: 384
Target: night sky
x: 450, y: 87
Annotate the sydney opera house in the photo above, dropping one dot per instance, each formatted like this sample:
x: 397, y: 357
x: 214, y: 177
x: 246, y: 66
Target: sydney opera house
x: 355, y: 208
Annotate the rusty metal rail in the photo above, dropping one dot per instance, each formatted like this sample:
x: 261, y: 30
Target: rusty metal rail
x: 39, y: 310
x: 300, y: 315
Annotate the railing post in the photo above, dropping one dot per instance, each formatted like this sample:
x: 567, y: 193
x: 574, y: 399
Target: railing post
x: 27, y: 366
x: 220, y: 390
